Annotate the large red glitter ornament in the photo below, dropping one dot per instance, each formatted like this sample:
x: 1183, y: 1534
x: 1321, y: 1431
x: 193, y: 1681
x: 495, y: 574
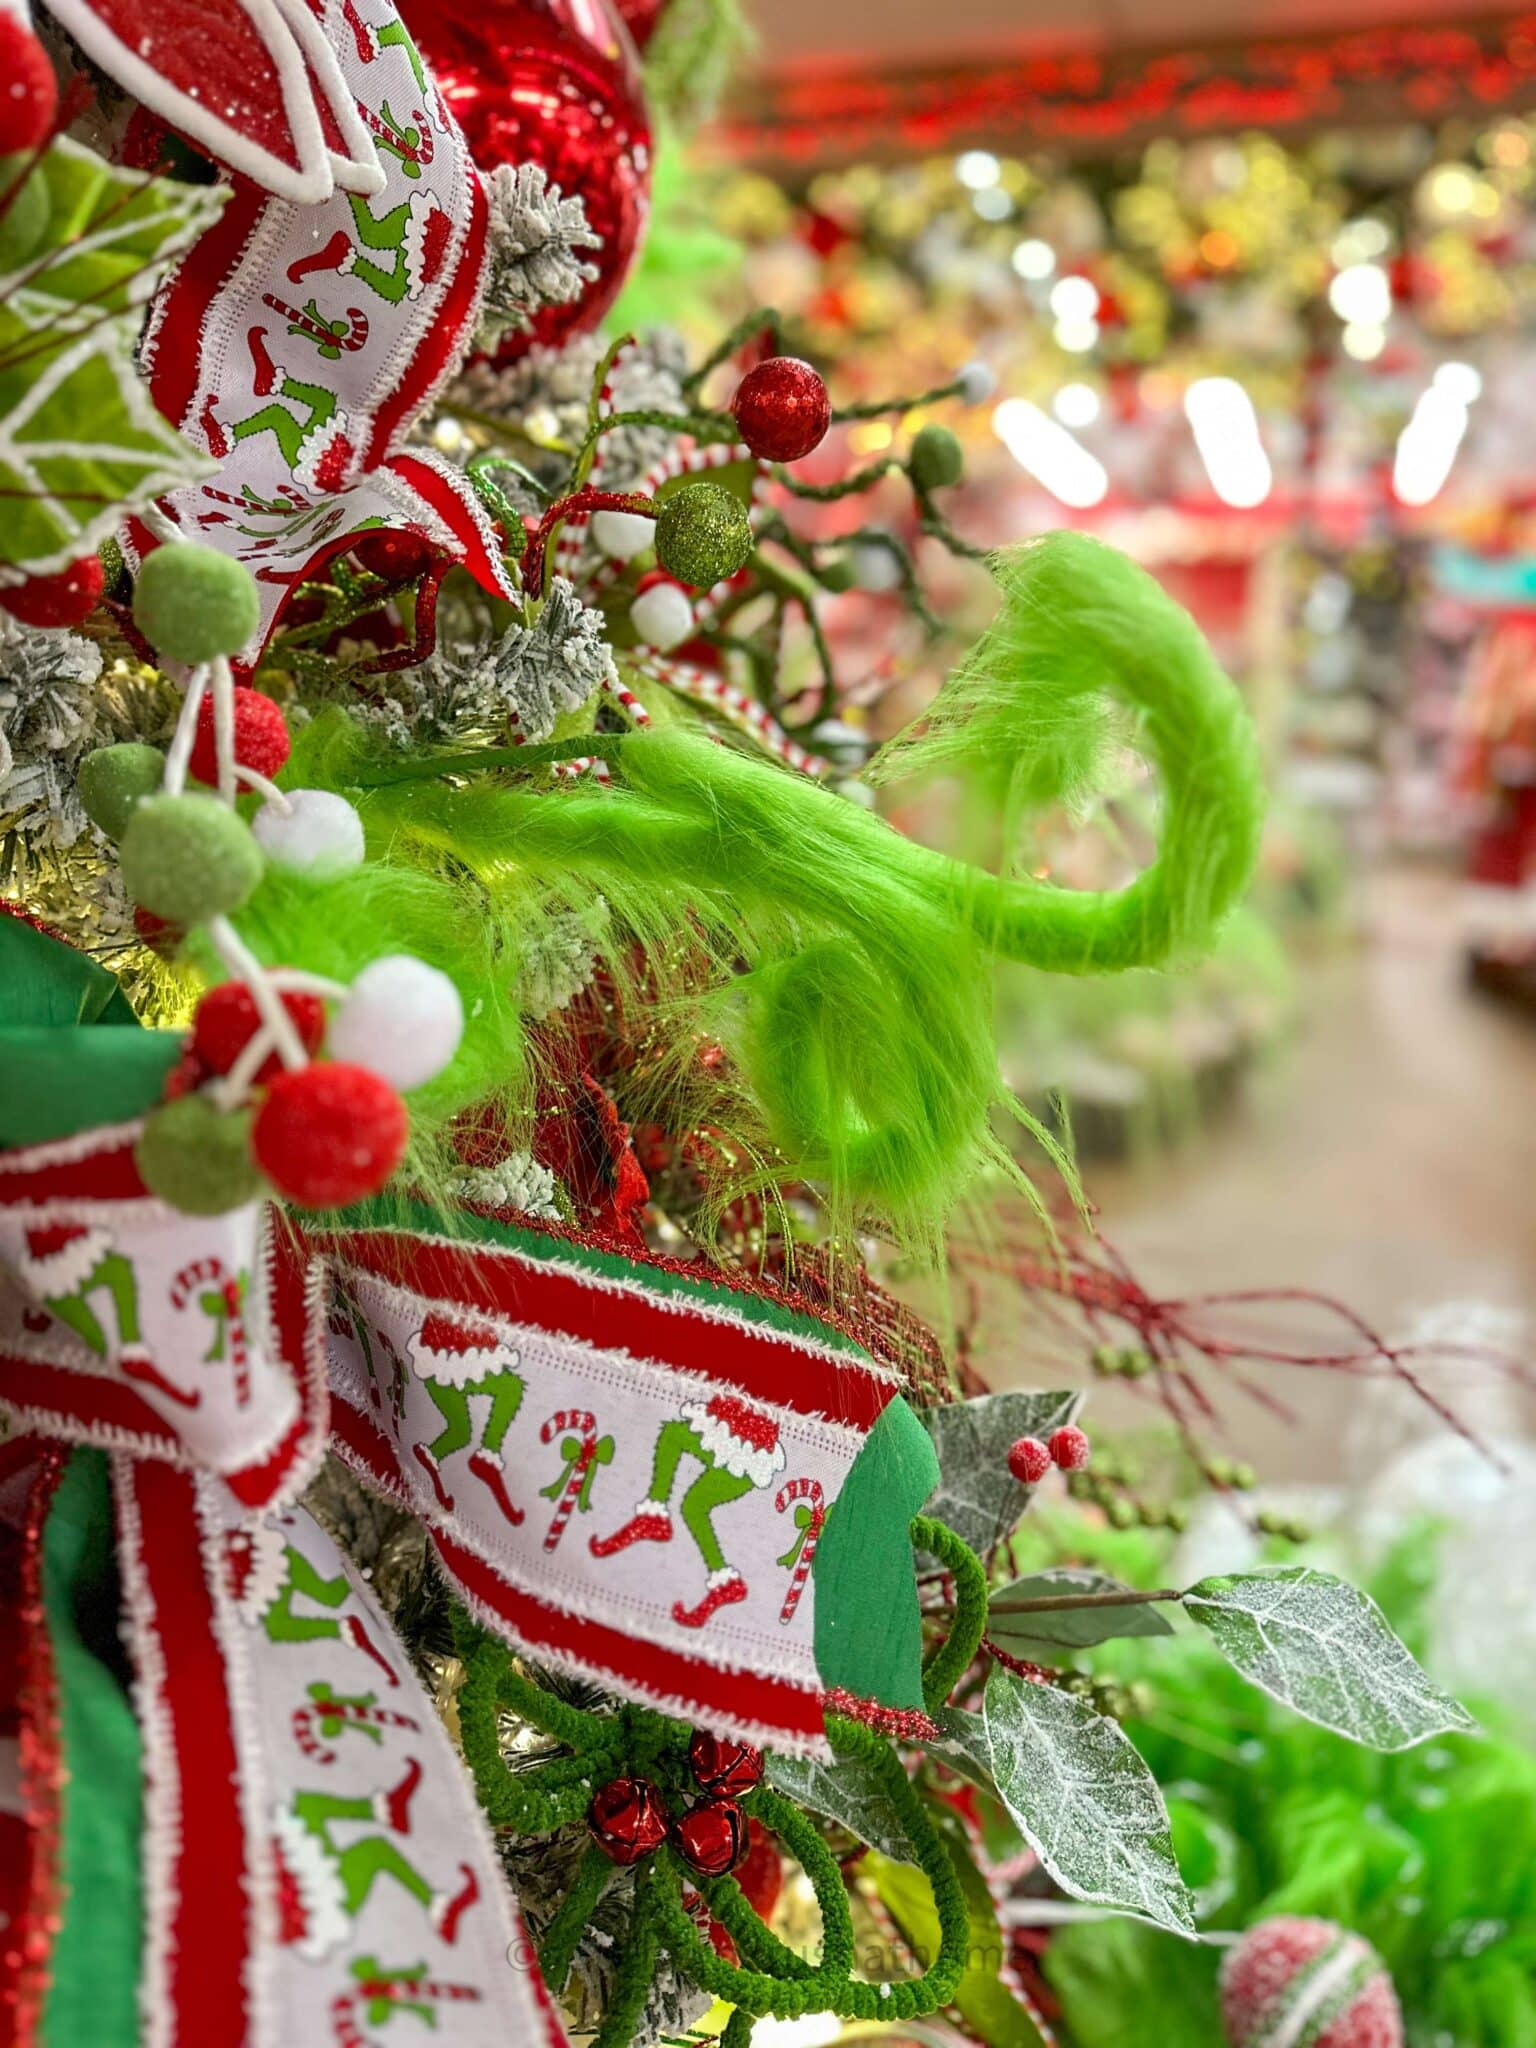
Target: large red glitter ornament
x: 555, y: 83
x: 1288, y: 1975
x: 627, y: 1819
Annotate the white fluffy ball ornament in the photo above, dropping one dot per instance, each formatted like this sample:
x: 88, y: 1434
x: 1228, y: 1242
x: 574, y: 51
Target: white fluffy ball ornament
x: 662, y: 617
x: 318, y: 834
x: 622, y: 535
x: 401, y: 1019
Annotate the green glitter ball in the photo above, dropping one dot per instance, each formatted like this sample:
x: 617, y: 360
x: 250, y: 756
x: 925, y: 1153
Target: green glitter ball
x: 192, y: 603
x: 114, y: 780
x: 937, y: 459
x: 188, y: 858
x: 703, y: 535
x: 26, y: 218
x: 197, y: 1156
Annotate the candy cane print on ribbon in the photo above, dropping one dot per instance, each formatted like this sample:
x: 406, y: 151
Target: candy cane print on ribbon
x: 809, y: 1503
x: 674, y: 1595
x: 315, y: 1863
x: 583, y: 1452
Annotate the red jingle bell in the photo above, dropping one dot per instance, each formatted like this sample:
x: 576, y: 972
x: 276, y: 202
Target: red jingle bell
x: 724, y: 1768
x: 627, y: 1819
x: 66, y: 598
x: 261, y: 737
x: 329, y: 1134
x: 227, y: 1020
x: 782, y: 409
x: 711, y: 1837
x: 554, y: 83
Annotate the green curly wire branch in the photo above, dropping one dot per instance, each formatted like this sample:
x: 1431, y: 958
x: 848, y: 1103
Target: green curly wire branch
x: 948, y: 1663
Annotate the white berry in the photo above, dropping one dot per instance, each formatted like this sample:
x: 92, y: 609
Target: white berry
x: 622, y: 535
x: 874, y: 567
x: 977, y: 383
x: 662, y: 617
x: 401, y: 1019
x: 318, y: 833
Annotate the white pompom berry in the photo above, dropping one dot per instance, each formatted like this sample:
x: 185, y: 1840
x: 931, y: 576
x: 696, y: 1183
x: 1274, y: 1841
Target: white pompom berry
x: 401, y: 1019
x: 662, y: 617
x: 977, y: 382
x: 875, y: 568
x: 622, y: 535
x: 319, y: 833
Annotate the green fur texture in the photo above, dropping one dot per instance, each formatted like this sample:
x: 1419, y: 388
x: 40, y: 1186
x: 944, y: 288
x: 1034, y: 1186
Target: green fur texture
x: 845, y: 969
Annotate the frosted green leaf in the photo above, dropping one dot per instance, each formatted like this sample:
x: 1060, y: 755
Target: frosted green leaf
x: 1042, y: 1637
x: 850, y: 1793
x: 1081, y: 1795
x: 978, y: 1496
x: 80, y: 442
x: 1324, y: 1648
x: 112, y: 235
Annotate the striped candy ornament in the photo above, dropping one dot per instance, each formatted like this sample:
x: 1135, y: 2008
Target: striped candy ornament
x: 803, y: 1550
x: 1294, y: 1983
x: 575, y: 1482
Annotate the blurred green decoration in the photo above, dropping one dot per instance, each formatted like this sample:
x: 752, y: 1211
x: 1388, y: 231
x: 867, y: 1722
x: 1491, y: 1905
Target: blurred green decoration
x: 688, y: 270
x: 693, y: 51
x: 1429, y: 1854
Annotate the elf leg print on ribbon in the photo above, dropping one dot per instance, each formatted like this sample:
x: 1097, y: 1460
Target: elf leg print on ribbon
x: 737, y: 1448
x: 317, y: 1859
x: 117, y: 1336
x: 657, y: 1387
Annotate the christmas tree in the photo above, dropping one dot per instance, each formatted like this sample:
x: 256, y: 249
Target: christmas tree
x: 488, y: 1549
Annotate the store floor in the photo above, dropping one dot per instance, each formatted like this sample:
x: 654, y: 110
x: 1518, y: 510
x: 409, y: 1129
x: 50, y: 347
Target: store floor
x: 1388, y: 1159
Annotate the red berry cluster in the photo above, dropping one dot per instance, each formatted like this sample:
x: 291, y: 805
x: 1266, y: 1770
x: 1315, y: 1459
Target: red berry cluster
x: 1068, y: 1450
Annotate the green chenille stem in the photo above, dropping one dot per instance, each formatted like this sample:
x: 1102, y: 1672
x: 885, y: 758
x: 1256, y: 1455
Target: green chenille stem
x: 948, y: 1663
x: 543, y: 1798
x: 738, y: 2030
x: 756, y: 1943
x: 828, y: 1987
x: 569, y: 1924
x: 637, y: 1967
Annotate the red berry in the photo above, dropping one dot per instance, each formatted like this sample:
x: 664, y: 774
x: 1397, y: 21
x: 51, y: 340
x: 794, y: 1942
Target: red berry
x: 29, y: 93
x: 329, y: 1134
x: 725, y: 1768
x: 1029, y: 1460
x: 227, y: 1020
x: 261, y: 737
x: 1070, y: 1448
x: 782, y: 409
x: 397, y: 557
x: 69, y: 596
x: 712, y: 1837
x: 627, y: 1819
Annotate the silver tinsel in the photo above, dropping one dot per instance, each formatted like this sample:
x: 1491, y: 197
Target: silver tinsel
x: 49, y: 719
x: 535, y: 231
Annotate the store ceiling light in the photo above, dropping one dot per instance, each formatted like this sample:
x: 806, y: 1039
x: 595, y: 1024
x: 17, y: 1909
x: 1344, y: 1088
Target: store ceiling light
x: 1076, y: 336
x: 1426, y: 448
x: 977, y: 169
x: 1034, y: 260
x: 1460, y: 381
x: 1226, y: 431
x: 1076, y: 405
x: 1052, y: 457
x: 1075, y: 298
x: 1361, y: 295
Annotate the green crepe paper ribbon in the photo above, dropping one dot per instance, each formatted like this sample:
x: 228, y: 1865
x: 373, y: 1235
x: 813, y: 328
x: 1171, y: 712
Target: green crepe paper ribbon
x: 93, y: 1974
x: 66, y: 1061
x: 869, y: 1635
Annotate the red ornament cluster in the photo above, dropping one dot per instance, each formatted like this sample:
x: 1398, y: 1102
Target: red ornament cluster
x: 68, y: 596
x: 1068, y: 1450
x: 261, y: 737
x: 782, y: 409
x: 628, y: 1818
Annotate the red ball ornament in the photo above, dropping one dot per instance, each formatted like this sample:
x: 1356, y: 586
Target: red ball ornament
x: 782, y: 409
x: 555, y: 83
x: 29, y: 93
x: 627, y: 1819
x: 761, y: 1872
x: 397, y: 557
x: 641, y: 18
x: 1069, y: 1447
x: 227, y: 1020
x: 66, y: 598
x: 261, y: 737
x: 712, y: 1837
x: 329, y: 1134
x: 724, y: 1768
x: 1273, y: 1986
x: 1029, y: 1460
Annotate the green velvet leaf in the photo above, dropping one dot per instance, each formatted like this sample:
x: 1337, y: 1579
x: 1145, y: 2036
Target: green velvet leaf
x: 978, y: 1496
x: 868, y: 1626
x: 1082, y: 1797
x: 1324, y: 1648
x: 1042, y: 1637
x: 848, y: 1791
